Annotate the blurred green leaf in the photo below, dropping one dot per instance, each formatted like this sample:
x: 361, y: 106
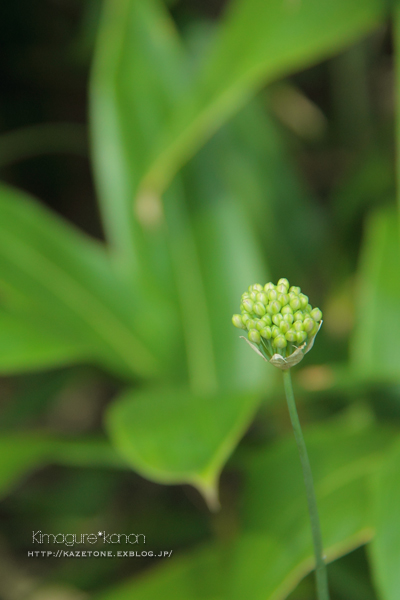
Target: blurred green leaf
x: 63, y: 284
x: 137, y: 77
x: 24, y: 347
x: 47, y: 138
x: 22, y: 453
x: 375, y: 351
x: 216, y: 257
x: 276, y: 550
x: 173, y: 436
x: 256, y: 42
x: 194, y: 577
x: 385, y: 547
x: 19, y: 456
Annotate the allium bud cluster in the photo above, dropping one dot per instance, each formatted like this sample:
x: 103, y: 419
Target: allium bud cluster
x: 278, y: 318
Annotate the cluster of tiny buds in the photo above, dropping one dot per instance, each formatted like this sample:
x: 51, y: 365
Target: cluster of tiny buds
x: 277, y: 317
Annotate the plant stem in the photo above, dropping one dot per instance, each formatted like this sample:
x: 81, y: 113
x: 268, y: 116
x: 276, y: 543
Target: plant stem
x: 320, y: 567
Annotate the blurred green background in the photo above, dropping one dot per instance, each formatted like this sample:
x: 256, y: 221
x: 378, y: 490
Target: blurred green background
x: 156, y: 159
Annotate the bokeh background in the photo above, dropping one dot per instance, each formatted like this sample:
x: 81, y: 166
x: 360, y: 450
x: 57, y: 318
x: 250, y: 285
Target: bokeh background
x: 156, y: 159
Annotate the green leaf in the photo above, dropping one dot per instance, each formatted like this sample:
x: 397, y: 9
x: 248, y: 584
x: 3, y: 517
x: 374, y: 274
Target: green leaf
x: 375, y: 351
x: 173, y: 436
x: 193, y: 577
x: 275, y: 511
x: 273, y: 551
x: 255, y: 43
x: 385, y: 548
x: 23, y: 453
x: 137, y: 77
x: 64, y: 285
x: 24, y: 347
x: 20, y: 455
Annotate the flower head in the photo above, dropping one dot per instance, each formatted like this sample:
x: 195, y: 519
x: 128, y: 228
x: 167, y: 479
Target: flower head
x: 280, y: 321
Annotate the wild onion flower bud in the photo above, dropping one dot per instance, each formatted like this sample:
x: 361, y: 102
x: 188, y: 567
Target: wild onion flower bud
x: 248, y: 305
x: 257, y: 287
x: 280, y: 342
x: 266, y: 333
x: 284, y: 282
x: 254, y: 336
x: 281, y: 322
x: 284, y: 326
x: 237, y: 321
x: 294, y: 303
x: 259, y: 309
x: 276, y: 319
x: 272, y: 295
x: 288, y: 317
x: 316, y: 314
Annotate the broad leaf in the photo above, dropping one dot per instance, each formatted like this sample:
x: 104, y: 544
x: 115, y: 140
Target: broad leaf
x: 178, y: 437
x: 23, y: 453
x: 63, y: 284
x: 275, y: 510
x: 255, y: 43
x: 137, y: 78
x: 194, y: 577
x: 273, y: 551
x: 375, y: 350
x: 24, y: 347
x: 385, y: 548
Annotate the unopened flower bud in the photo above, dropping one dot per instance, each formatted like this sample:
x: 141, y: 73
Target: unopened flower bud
x: 250, y: 324
x: 276, y: 319
x: 248, y: 305
x: 254, y: 336
x: 284, y: 281
x: 295, y: 289
x: 275, y: 331
x: 267, y: 320
x: 272, y: 295
x: 283, y: 299
x: 266, y: 333
x: 237, y: 321
x: 289, y: 318
x: 298, y: 316
x: 262, y: 297
x: 280, y: 342
x: 284, y: 326
x: 268, y: 286
x: 245, y: 318
x: 308, y: 324
x: 316, y: 314
x: 287, y: 310
x: 281, y: 289
x: 275, y: 307
x: 257, y: 287
x: 301, y: 337
x: 291, y: 335
x: 303, y: 301
x: 295, y: 303
x: 259, y: 309
x: 297, y: 325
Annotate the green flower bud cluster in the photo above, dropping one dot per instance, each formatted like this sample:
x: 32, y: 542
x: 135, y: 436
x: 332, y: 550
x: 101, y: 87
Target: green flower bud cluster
x: 278, y: 318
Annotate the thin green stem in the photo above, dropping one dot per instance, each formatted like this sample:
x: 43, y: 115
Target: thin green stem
x: 320, y: 567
